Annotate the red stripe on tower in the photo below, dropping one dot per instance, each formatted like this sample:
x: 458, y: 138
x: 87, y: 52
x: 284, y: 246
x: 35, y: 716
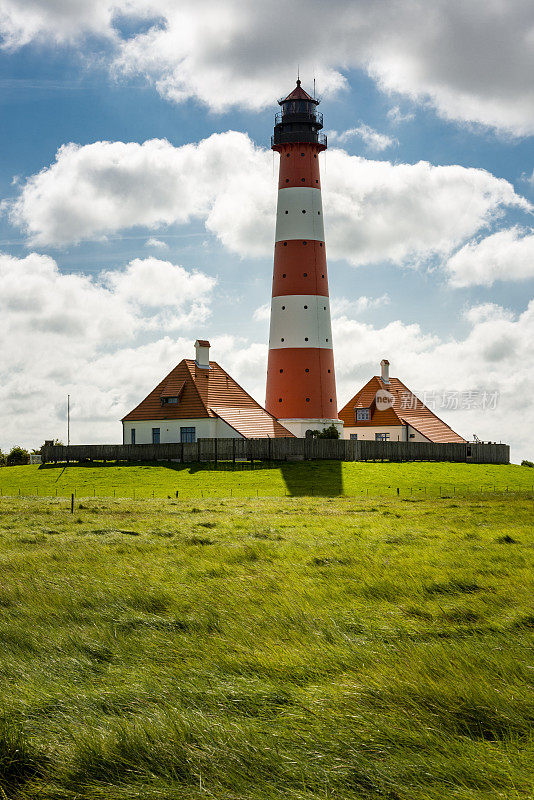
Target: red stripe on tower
x: 301, y: 384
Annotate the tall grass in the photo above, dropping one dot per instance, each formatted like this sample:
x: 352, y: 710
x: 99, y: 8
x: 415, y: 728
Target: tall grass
x: 299, y: 648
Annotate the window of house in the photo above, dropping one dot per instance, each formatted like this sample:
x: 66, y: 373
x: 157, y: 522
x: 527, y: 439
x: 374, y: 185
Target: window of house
x: 354, y: 436
x: 155, y: 435
x: 132, y: 436
x: 165, y: 400
x: 382, y: 437
x: 362, y: 413
x: 188, y: 435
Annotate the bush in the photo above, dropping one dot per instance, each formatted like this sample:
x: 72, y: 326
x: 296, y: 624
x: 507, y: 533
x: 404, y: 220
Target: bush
x: 527, y: 463
x: 327, y: 433
x: 17, y: 456
x: 2, y: 459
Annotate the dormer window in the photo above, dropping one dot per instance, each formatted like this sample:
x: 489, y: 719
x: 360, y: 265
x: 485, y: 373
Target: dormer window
x: 166, y: 400
x: 362, y: 414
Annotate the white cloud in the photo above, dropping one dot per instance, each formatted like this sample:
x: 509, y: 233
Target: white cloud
x: 159, y: 244
x: 262, y: 313
x: 71, y: 333
x: 343, y: 305
x: 505, y: 255
x: 374, y: 210
x: 372, y: 139
x: 396, y: 116
x: 228, y: 53
x: 22, y: 21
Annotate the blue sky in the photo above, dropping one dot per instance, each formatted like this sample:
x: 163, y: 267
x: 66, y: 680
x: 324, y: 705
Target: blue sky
x: 431, y: 266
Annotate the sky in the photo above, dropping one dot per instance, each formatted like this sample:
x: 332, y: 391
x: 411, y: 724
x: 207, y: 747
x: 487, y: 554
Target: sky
x: 138, y: 198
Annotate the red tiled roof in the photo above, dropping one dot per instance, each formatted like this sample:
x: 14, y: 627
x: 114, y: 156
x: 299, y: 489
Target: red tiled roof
x: 173, y: 388
x: 252, y: 422
x: 298, y: 93
x: 207, y: 393
x: 203, y: 342
x: 406, y: 409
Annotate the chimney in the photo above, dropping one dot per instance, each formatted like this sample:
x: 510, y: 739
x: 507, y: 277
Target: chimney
x: 202, y: 348
x: 385, y: 370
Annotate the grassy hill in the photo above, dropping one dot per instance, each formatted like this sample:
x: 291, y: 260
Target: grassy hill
x: 299, y: 648
x: 329, y: 478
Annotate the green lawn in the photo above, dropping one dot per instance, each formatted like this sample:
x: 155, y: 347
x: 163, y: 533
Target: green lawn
x: 329, y: 478
x: 298, y: 648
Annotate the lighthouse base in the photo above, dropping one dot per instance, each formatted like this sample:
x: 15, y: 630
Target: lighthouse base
x: 300, y: 427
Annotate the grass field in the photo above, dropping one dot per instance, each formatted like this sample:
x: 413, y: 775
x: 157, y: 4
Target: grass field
x: 328, y: 478
x: 298, y: 648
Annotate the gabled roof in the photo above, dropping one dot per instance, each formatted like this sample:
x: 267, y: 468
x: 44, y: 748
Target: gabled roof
x: 406, y: 409
x: 298, y: 93
x: 207, y: 393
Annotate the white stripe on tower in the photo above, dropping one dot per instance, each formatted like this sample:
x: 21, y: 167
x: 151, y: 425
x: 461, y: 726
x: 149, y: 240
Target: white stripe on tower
x: 300, y: 320
x: 299, y: 215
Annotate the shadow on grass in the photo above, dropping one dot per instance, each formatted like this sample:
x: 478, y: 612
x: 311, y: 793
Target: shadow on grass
x: 313, y: 478
x: 302, y: 478
x: 61, y: 466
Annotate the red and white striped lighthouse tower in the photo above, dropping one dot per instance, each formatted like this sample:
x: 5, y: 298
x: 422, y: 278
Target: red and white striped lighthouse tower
x: 301, y: 385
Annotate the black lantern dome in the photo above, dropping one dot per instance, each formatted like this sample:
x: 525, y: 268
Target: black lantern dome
x: 299, y: 120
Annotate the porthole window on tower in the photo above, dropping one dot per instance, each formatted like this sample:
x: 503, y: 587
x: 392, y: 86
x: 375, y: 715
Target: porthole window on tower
x: 286, y: 212
x: 327, y: 340
x: 284, y: 275
x: 305, y: 273
x: 281, y: 370
x: 303, y: 210
x: 283, y: 308
x: 320, y: 245
x: 304, y: 242
x: 319, y: 213
x: 287, y: 180
x: 305, y: 306
x: 329, y: 370
x: 306, y: 370
x: 287, y: 155
x: 302, y: 154
x: 279, y: 399
x: 282, y: 339
x: 285, y: 244
x: 315, y: 155
x: 305, y: 338
x: 303, y: 180
x: 307, y: 399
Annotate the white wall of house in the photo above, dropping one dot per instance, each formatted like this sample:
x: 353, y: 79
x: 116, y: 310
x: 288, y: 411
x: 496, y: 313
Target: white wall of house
x: 415, y: 436
x: 397, y: 433
x: 298, y: 427
x: 206, y: 428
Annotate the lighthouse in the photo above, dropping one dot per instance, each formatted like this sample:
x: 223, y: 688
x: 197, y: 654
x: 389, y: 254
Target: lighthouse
x: 301, y: 385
